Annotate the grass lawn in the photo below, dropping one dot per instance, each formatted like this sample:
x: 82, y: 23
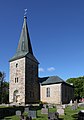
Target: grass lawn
x: 69, y: 114
x: 12, y: 118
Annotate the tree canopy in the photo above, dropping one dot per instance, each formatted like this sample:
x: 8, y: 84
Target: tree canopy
x: 4, y: 89
x: 78, y: 86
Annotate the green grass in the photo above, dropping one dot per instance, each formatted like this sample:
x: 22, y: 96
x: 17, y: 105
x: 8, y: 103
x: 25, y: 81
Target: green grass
x: 3, y: 106
x: 69, y: 114
x: 12, y: 118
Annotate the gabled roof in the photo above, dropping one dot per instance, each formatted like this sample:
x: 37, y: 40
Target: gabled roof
x: 24, y: 47
x: 52, y: 80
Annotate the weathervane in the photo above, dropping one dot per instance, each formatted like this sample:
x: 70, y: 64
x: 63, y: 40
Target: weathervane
x: 25, y: 12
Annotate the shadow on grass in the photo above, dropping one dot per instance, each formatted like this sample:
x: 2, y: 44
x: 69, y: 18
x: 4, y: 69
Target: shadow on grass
x: 35, y: 108
x: 75, y: 116
x: 43, y: 117
x: 61, y: 118
x: 40, y: 117
x: 7, y: 118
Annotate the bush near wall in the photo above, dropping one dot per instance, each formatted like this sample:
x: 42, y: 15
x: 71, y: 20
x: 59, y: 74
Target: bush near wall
x: 9, y: 111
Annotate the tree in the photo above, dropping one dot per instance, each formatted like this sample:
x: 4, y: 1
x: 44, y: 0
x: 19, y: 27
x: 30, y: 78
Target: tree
x: 4, y: 89
x: 0, y: 74
x: 78, y: 86
x: 5, y: 92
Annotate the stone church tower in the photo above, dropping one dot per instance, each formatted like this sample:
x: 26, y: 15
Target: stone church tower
x: 24, y: 84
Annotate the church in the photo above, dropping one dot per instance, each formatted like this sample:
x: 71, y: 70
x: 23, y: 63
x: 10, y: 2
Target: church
x: 25, y: 85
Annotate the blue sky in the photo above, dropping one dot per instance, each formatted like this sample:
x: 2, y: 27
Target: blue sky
x: 56, y: 29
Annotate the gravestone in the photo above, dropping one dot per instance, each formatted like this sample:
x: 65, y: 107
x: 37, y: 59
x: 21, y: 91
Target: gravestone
x: 50, y: 106
x: 32, y: 114
x: 59, y: 107
x: 44, y: 111
x: 18, y: 112
x: 26, y: 109
x: 81, y: 115
x: 53, y: 116
x: 81, y: 104
x: 75, y: 103
x: 74, y: 107
x: 71, y: 102
x: 44, y: 105
x: 64, y: 106
x: 60, y: 111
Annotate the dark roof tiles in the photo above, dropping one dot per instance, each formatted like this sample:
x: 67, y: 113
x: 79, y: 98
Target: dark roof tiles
x: 52, y: 80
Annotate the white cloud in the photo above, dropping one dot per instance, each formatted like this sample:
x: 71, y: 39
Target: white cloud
x: 51, y: 69
x: 41, y: 70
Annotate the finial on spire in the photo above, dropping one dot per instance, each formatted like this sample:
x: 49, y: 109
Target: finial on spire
x: 25, y: 12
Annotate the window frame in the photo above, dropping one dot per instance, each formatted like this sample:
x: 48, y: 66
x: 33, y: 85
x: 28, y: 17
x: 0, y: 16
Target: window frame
x: 15, y: 80
x: 48, y: 92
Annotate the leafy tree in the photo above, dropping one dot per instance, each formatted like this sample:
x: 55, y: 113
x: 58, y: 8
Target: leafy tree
x: 78, y: 86
x: 0, y: 74
x: 4, y: 89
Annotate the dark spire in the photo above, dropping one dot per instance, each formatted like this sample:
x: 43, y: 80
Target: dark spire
x: 24, y: 42
x: 24, y: 47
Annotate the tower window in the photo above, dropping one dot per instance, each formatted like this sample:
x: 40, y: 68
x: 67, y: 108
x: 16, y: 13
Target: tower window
x: 47, y: 92
x: 15, y: 80
x: 16, y: 65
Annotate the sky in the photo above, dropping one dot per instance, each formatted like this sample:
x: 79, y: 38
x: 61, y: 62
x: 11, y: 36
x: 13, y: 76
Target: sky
x: 56, y: 29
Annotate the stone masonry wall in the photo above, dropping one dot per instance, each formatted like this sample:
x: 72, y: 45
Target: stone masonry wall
x: 17, y: 80
x: 55, y: 93
x: 32, y: 84
x: 67, y: 93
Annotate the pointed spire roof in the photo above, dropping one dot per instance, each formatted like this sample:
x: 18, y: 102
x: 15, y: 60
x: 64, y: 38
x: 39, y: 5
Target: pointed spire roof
x: 24, y: 42
x: 24, y: 46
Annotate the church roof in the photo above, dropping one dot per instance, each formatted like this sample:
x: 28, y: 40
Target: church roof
x: 41, y: 80
x: 52, y: 80
x: 24, y: 47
